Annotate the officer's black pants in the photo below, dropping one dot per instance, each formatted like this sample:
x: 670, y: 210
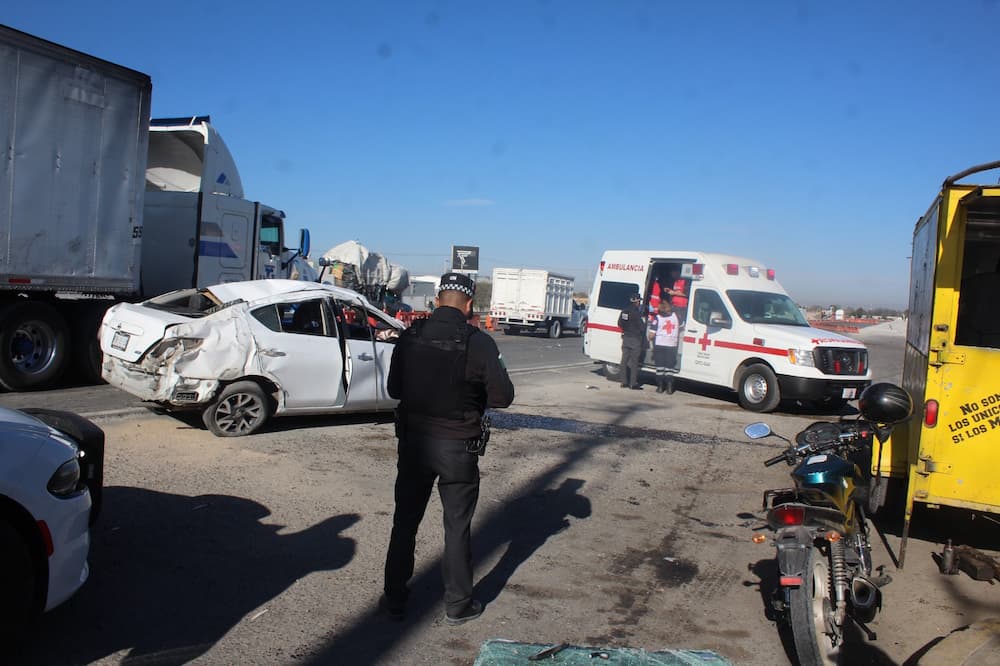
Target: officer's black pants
x: 421, y: 461
x: 632, y: 353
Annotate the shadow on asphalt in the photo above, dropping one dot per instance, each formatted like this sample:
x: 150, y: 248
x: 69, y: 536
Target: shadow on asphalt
x: 518, y: 529
x: 193, y: 420
x: 170, y: 575
x: 728, y: 396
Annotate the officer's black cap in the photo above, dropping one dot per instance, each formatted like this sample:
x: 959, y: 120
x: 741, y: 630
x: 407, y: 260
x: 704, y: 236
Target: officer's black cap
x: 457, y: 282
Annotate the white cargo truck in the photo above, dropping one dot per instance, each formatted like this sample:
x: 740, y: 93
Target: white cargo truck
x: 527, y: 299
x: 99, y: 205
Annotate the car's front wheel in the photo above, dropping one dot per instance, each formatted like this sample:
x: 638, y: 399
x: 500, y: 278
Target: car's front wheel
x: 241, y: 409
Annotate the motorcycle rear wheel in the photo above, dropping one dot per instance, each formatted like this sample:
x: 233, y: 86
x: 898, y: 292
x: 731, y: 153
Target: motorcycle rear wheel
x: 810, y: 605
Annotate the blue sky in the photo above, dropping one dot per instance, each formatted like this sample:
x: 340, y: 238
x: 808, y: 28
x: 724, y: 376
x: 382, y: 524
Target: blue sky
x: 807, y: 135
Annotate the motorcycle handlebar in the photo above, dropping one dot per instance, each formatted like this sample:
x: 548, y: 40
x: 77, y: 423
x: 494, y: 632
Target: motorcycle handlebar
x: 774, y: 461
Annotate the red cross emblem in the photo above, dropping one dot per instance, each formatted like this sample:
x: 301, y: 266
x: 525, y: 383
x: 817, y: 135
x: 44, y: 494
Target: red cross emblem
x: 704, y: 341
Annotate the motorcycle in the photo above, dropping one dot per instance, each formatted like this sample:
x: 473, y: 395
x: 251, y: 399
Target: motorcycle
x: 820, y: 524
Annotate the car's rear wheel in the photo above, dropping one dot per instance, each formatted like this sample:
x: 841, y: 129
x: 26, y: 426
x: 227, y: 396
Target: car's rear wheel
x: 17, y: 583
x: 555, y: 329
x: 241, y: 409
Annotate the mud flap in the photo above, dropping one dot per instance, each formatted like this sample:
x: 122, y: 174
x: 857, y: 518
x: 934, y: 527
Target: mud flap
x: 793, y: 545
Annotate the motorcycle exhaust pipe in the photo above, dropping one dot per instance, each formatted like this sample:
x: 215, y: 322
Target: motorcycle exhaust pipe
x: 866, y: 599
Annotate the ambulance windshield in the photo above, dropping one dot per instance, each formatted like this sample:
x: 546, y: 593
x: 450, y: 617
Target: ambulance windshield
x: 761, y: 307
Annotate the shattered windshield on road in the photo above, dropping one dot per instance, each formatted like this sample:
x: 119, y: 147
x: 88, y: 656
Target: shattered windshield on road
x: 188, y: 302
x: 761, y: 307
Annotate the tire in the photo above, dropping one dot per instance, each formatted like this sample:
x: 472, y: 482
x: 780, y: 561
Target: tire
x: 511, y: 330
x: 809, y: 605
x: 758, y: 389
x: 241, y: 409
x: 87, y: 355
x: 582, y: 331
x: 90, y: 438
x: 555, y: 329
x: 34, y: 346
x: 613, y: 372
x: 17, y: 581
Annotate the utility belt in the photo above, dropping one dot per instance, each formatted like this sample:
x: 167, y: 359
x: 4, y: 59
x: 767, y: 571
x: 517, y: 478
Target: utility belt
x: 475, y: 445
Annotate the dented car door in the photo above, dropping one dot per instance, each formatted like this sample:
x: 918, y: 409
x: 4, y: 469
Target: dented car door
x: 299, y: 348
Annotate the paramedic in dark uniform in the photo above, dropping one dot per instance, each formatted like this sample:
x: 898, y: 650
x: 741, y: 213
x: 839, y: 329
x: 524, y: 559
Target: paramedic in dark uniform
x: 632, y: 322
x: 445, y: 373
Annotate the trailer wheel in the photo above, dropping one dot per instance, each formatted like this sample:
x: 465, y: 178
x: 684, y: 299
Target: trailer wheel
x: 758, y: 389
x: 511, y: 330
x: 34, y: 342
x: 87, y: 353
x: 555, y: 329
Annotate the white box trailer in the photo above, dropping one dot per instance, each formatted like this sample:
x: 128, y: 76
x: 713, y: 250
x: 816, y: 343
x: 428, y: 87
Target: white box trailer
x: 527, y: 299
x: 100, y: 204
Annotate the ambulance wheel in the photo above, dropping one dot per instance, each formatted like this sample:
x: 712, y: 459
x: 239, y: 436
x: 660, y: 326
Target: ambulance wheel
x: 555, y: 329
x: 613, y: 372
x: 241, y: 409
x: 758, y: 389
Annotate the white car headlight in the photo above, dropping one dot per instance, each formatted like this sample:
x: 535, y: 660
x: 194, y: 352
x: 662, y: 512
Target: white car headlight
x: 66, y: 480
x: 801, y: 357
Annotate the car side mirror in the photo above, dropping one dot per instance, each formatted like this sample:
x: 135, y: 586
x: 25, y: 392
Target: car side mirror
x: 304, y: 243
x: 757, y: 430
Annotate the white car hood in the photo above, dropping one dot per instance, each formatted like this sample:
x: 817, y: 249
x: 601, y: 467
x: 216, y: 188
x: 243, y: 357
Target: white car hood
x: 802, y: 337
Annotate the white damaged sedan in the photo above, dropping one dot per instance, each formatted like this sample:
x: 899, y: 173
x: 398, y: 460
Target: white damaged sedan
x: 241, y: 352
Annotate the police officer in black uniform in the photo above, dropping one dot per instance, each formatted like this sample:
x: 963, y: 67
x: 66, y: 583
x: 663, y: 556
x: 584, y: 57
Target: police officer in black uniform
x: 632, y: 322
x: 445, y: 374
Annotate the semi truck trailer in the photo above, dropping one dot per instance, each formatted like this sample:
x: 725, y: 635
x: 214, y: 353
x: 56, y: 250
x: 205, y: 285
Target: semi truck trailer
x: 100, y: 204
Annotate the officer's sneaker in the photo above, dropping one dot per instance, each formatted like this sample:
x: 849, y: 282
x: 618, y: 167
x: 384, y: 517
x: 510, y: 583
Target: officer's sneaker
x: 471, y: 612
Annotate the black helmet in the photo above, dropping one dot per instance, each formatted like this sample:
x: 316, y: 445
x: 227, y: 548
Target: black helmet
x: 885, y: 403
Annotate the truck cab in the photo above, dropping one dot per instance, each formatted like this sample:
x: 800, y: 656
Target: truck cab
x: 194, y: 208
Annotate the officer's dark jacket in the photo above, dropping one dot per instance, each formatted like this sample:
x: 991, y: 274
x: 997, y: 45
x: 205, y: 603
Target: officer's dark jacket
x: 437, y: 397
x: 633, y: 324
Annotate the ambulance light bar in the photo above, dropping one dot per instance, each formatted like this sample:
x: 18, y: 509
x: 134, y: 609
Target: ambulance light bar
x: 732, y: 269
x: 698, y: 271
x: 754, y: 271
x: 770, y: 273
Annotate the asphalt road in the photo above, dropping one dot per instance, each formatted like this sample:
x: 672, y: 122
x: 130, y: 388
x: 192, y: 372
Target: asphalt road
x: 606, y: 518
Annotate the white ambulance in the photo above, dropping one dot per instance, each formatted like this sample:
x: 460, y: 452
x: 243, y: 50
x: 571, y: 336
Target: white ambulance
x: 740, y: 329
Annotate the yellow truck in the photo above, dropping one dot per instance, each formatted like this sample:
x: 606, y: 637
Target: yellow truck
x: 950, y: 452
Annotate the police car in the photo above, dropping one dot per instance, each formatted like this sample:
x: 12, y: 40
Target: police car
x: 741, y: 330
x: 51, y: 478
